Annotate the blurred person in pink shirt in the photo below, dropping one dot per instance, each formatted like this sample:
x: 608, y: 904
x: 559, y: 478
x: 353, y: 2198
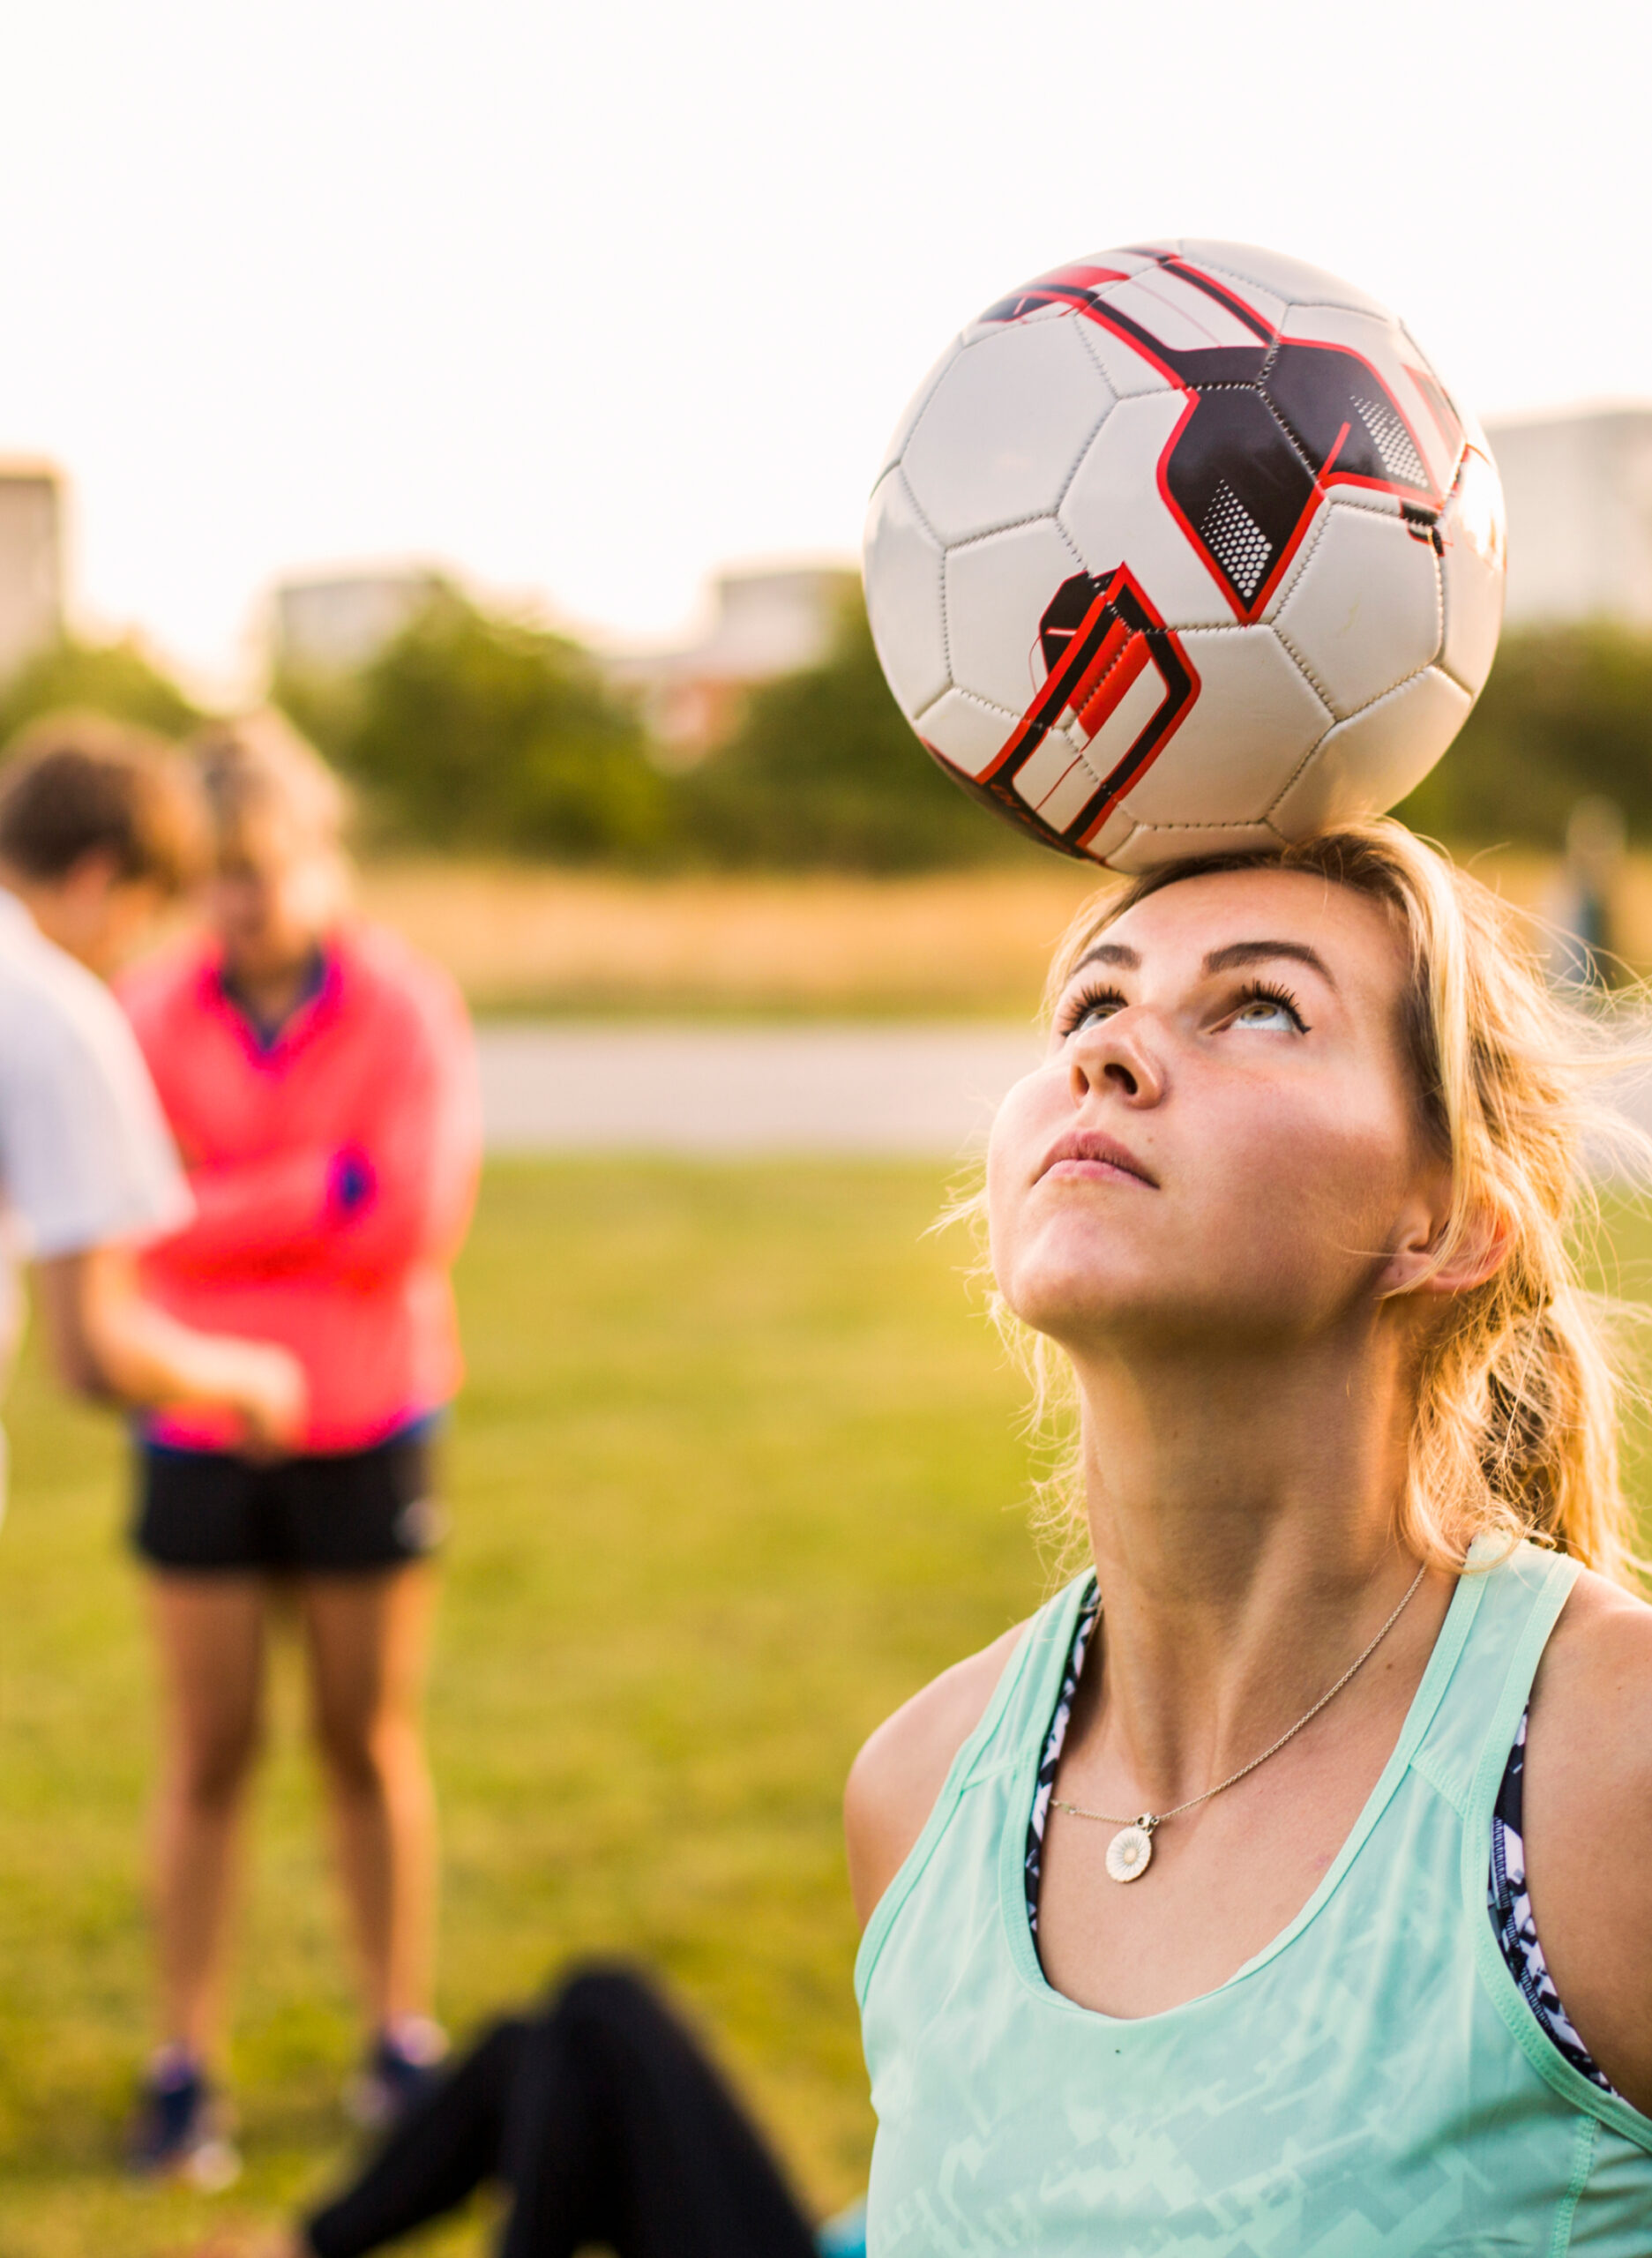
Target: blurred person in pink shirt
x: 320, y: 1081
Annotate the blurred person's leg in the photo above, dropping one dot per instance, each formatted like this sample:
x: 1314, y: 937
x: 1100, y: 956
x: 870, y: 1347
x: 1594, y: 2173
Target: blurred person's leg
x: 367, y: 1637
x: 210, y: 1631
x: 606, y: 2123
x: 621, y: 2132
x: 445, y: 2146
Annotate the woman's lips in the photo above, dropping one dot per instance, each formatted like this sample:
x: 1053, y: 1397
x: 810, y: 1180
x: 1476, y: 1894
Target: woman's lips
x: 1085, y: 1153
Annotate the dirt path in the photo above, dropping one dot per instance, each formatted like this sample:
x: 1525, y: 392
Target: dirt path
x: 928, y: 1089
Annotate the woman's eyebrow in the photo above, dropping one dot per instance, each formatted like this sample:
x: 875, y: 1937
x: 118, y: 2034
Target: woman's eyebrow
x: 1110, y: 953
x: 1241, y: 953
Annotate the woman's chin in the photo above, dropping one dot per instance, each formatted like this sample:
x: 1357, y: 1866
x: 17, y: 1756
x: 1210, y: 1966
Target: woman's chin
x: 1077, y: 1309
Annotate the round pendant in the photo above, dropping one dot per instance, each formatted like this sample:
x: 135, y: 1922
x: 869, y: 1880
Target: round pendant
x: 1129, y: 1853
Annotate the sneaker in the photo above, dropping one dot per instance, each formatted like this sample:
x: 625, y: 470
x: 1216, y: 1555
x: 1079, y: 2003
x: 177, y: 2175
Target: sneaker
x: 180, y: 2129
x: 400, y: 2068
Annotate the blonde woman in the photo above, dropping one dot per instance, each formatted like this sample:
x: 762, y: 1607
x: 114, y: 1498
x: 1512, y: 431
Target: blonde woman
x: 1285, y: 1885
x: 319, y: 1080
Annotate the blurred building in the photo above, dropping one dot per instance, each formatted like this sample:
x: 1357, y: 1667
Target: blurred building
x: 333, y: 625
x: 31, y: 561
x: 765, y: 622
x: 1578, y: 482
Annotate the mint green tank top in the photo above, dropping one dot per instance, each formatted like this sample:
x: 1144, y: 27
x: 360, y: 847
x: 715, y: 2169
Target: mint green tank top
x: 1371, y: 2085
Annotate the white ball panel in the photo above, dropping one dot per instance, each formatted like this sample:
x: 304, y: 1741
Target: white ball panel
x: 1252, y: 724
x: 1363, y: 611
x: 1290, y: 279
x: 1113, y: 834
x: 902, y: 568
x: 1116, y: 515
x: 1128, y: 373
x: 1365, y: 765
x: 1180, y: 300
x: 999, y: 438
x: 916, y: 407
x: 1145, y: 848
x: 997, y: 590
x: 1472, y: 572
x: 968, y: 731
x: 1472, y: 618
x: 1059, y: 310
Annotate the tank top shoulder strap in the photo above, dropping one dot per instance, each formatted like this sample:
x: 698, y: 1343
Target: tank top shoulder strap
x: 1018, y: 1712
x: 1507, y: 1604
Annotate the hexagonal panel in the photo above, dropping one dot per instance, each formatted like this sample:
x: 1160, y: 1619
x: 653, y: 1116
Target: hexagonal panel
x: 1129, y: 373
x: 902, y: 567
x: 1472, y: 572
x: 1363, y: 611
x: 972, y: 331
x: 1290, y: 279
x: 1116, y: 515
x: 967, y: 731
x: 1266, y: 304
x: 1365, y: 765
x: 1179, y: 310
x: 998, y: 591
x: 1007, y: 421
x: 1015, y: 305
x: 1247, y: 732
x: 916, y: 407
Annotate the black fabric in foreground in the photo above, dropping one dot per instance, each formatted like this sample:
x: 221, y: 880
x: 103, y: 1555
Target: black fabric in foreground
x: 602, y: 2121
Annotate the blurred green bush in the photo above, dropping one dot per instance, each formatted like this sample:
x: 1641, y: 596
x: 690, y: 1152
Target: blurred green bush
x: 471, y: 730
x: 114, y: 678
x: 1568, y: 710
x: 823, y: 772
x: 475, y: 731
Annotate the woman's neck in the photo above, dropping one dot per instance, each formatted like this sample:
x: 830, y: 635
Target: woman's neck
x: 1242, y: 1511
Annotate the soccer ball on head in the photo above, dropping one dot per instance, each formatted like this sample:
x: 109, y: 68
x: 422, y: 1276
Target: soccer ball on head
x: 1182, y: 548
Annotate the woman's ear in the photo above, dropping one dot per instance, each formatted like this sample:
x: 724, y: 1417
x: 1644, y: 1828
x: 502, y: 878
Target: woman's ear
x: 1482, y: 1249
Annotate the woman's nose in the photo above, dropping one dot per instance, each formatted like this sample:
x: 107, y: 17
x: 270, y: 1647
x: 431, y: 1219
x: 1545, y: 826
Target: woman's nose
x: 1116, y: 1053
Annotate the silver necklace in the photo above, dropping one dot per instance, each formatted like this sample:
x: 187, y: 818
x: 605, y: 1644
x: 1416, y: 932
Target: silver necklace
x: 1129, y: 1853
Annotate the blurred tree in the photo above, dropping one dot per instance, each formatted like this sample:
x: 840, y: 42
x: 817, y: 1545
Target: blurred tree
x: 472, y: 730
x: 1567, y: 712
x: 823, y: 771
x: 114, y: 678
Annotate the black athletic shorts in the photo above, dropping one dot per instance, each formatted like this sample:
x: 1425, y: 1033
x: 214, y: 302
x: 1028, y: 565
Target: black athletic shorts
x: 342, y: 1513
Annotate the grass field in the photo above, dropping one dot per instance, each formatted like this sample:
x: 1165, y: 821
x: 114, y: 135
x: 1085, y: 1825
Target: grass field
x: 733, y: 1473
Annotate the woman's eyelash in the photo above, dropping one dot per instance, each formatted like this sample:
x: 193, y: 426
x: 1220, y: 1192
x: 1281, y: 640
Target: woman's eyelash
x: 1086, y: 1001
x: 1077, y: 1006
x: 1266, y: 991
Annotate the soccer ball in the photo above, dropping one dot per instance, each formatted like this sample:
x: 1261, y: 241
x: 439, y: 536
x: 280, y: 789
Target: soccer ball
x: 1185, y: 548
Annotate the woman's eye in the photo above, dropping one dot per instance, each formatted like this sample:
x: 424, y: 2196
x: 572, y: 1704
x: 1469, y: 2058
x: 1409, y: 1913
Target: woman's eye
x: 1089, y: 1011
x: 1271, y: 1013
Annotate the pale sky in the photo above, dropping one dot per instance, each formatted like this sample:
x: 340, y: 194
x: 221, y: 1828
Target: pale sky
x: 584, y: 301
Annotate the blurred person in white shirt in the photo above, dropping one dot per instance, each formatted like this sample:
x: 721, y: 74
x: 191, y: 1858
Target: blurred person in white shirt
x: 98, y: 831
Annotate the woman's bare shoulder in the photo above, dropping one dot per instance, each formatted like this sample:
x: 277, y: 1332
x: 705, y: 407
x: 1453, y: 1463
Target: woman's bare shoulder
x: 1587, y: 1818
x: 893, y: 1782
x: 1593, y: 1692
